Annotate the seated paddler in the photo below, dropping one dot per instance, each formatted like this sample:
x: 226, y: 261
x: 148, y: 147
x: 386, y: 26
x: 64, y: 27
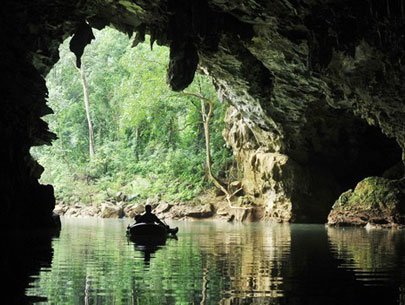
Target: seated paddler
x: 149, y: 217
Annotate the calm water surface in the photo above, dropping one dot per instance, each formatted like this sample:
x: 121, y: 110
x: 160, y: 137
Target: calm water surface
x: 221, y: 263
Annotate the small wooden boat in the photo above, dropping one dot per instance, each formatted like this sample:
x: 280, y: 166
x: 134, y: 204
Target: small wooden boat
x: 150, y: 229
x: 149, y: 232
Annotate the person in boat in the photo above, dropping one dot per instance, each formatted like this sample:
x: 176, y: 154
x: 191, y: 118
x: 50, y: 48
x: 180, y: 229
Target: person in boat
x: 149, y: 217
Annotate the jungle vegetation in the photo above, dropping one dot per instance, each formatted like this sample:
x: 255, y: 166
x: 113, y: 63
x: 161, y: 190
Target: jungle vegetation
x: 121, y: 130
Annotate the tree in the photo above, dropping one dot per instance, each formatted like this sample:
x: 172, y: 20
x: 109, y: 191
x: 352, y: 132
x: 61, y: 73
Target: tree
x: 149, y: 139
x: 206, y: 112
x: 87, y: 109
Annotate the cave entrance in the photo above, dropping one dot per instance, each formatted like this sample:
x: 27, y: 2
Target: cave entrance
x: 123, y: 134
x: 342, y: 150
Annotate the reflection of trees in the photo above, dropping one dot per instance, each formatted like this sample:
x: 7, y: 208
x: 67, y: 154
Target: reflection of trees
x: 245, y: 263
x: 214, y: 263
x: 79, y: 274
x: 376, y: 259
x: 314, y: 275
x: 362, y: 249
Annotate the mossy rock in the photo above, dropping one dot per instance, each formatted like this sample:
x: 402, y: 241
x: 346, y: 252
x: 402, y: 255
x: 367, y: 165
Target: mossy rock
x: 375, y: 200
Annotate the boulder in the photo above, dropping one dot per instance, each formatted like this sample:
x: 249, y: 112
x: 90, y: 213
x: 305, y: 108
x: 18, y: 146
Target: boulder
x: 223, y: 212
x: 72, y: 212
x: 376, y: 202
x: 90, y: 211
x: 110, y: 211
x: 203, y: 211
x: 163, y: 207
x: 60, y: 209
x: 135, y: 209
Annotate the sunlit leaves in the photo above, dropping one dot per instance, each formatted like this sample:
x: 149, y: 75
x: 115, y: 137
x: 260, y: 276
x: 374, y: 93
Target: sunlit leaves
x: 143, y: 130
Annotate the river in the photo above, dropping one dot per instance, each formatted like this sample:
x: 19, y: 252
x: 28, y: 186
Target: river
x: 222, y: 263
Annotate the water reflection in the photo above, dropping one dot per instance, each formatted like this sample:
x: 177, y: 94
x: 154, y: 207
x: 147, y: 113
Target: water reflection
x: 22, y: 256
x: 247, y: 260
x: 219, y: 263
x: 147, y: 251
x: 149, y: 246
x: 361, y: 250
x: 375, y: 257
x: 319, y: 274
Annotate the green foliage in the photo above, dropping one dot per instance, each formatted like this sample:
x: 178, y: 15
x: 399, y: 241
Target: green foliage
x: 149, y: 140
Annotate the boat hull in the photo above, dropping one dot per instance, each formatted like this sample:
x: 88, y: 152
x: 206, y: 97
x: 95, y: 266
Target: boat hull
x: 147, y: 233
x: 147, y: 229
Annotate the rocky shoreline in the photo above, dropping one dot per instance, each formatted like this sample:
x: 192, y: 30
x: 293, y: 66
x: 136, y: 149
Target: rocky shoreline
x: 375, y: 203
x: 201, y: 208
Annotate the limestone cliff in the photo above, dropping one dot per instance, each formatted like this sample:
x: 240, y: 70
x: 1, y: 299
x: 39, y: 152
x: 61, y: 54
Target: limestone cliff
x: 316, y: 88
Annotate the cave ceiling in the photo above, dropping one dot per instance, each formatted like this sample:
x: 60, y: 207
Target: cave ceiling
x: 271, y: 59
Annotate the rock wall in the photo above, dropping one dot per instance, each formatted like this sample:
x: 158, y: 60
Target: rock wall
x: 316, y: 89
x: 340, y: 150
x: 312, y: 92
x: 23, y: 93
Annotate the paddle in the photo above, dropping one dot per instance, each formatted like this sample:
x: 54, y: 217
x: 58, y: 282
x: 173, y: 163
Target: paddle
x: 170, y: 230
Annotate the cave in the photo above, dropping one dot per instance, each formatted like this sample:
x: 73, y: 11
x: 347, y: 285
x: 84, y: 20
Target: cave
x: 341, y: 150
x: 316, y: 90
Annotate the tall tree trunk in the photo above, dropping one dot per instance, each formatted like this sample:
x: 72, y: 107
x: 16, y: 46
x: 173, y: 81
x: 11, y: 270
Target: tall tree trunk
x: 172, y: 133
x: 206, y: 113
x: 136, y: 145
x: 87, y: 107
x: 200, y: 138
x: 206, y: 116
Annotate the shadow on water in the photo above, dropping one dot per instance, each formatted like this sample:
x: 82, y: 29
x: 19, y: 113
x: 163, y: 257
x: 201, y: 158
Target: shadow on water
x: 149, y: 245
x: 375, y: 261
x: 22, y: 257
x: 335, y: 266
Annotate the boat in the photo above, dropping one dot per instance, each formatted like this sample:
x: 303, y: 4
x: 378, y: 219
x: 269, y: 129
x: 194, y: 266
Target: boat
x: 149, y: 233
x: 150, y: 229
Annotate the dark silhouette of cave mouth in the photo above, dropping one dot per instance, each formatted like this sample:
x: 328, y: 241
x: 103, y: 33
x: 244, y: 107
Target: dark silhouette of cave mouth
x: 343, y: 150
x: 375, y: 155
